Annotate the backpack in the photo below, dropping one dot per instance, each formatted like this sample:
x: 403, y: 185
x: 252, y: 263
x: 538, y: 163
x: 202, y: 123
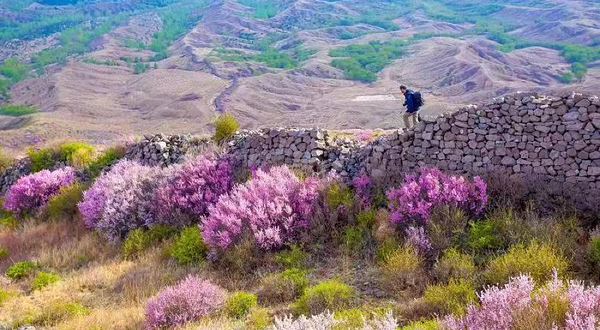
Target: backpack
x: 418, y: 99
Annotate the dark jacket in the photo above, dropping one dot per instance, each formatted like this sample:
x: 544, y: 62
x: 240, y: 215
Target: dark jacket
x: 409, y: 101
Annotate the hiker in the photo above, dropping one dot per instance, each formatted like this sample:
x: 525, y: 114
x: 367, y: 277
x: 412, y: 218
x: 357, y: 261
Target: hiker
x: 412, y: 101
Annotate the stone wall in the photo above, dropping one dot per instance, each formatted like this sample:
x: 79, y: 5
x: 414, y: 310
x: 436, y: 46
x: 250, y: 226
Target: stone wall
x: 525, y: 134
x: 13, y: 173
x: 521, y: 134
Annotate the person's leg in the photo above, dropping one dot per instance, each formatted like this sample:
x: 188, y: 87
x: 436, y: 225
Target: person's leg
x: 405, y: 119
x: 415, y: 117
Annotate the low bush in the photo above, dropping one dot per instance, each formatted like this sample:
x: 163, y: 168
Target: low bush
x: 520, y: 304
x: 239, y: 304
x: 282, y: 287
x: 140, y: 239
x: 447, y: 227
x: 3, y: 253
x: 184, y: 302
x: 32, y: 192
x: 188, y: 189
x: 536, y: 259
x: 78, y: 154
x: 454, y: 265
x: 414, y: 201
x: 327, y: 320
x: 225, y: 126
x: 338, y: 195
x: 20, y: 269
x: 58, y: 312
x: 594, y: 251
x: 64, y: 204
x: 329, y: 295
x: 402, y: 270
x: 422, y: 325
x: 106, y: 159
x: 294, y: 257
x: 121, y: 200
x: 258, y: 319
x: 43, y: 279
x: 189, y: 248
x: 42, y: 159
x: 5, y: 295
x: 452, y: 298
x: 272, y: 208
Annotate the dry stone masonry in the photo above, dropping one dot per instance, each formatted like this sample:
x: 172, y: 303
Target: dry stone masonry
x: 523, y: 134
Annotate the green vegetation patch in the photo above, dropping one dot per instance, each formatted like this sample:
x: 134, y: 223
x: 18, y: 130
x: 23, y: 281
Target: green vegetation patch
x: 17, y: 110
x: 20, y: 270
x: 43, y: 279
x: 363, y: 62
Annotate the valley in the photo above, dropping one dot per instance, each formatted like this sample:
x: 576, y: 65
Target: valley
x: 104, y: 70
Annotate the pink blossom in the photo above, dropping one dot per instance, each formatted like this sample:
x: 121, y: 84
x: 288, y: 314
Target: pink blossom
x: 32, y: 192
x: 273, y: 206
x: 418, y: 195
x: 185, y: 302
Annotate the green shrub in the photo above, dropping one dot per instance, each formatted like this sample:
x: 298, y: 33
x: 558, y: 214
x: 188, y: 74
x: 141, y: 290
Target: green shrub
x: 43, y: 279
x: 366, y: 219
x: 77, y: 153
x: 3, y: 253
x: 258, y: 319
x: 329, y: 295
x: 20, y: 270
x: 456, y: 265
x: 140, y: 239
x: 14, y: 70
x: 295, y: 257
x: 64, y: 204
x: 385, y: 249
x: 59, y: 312
x: 107, y: 158
x: 594, y: 250
x: 239, y: 304
x: 189, y: 248
x: 225, y: 126
x: 452, y: 298
x: 42, y: 159
x: 422, y: 325
x: 537, y: 259
x: 446, y: 227
x: 337, y: 195
x: 402, y: 269
x: 282, y: 287
x: 14, y: 110
x: 5, y: 295
x: 567, y: 77
x: 484, y: 235
x: 353, y: 238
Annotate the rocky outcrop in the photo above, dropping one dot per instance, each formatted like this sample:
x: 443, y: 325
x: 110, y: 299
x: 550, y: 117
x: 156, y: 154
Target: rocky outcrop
x: 13, y: 173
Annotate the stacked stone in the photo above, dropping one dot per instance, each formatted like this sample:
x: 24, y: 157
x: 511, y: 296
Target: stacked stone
x: 159, y: 150
x: 303, y: 147
x: 523, y: 134
x: 13, y: 173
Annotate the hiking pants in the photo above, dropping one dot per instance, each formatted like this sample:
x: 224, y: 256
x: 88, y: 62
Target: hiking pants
x: 408, y: 117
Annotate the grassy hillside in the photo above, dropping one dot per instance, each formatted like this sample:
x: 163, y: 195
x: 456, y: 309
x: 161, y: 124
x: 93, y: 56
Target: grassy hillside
x: 203, y: 245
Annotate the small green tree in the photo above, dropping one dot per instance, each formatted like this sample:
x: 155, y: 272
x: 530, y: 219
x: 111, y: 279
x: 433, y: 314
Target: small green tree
x: 567, y: 78
x: 579, y: 70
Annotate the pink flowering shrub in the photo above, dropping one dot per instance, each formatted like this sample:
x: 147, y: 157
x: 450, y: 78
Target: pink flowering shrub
x: 519, y: 305
x: 32, y: 192
x: 413, y: 202
x: 364, y: 135
x: 363, y: 185
x: 188, y: 189
x: 185, y: 302
x: 272, y: 207
x: 120, y: 200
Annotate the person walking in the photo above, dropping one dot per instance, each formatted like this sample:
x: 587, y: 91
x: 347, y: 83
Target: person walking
x: 413, y: 102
